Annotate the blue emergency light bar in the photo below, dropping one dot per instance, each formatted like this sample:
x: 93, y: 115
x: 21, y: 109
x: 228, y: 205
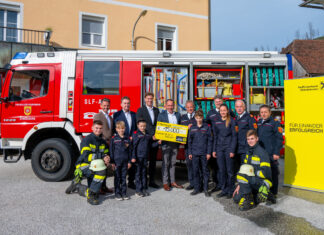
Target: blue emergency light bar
x: 20, y: 55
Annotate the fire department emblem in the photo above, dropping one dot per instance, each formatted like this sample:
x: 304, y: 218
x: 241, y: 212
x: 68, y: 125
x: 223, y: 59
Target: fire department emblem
x: 27, y: 110
x: 236, y: 128
x: 255, y: 126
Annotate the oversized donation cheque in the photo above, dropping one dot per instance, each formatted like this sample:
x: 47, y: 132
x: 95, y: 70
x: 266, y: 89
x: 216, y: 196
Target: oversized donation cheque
x: 171, y: 132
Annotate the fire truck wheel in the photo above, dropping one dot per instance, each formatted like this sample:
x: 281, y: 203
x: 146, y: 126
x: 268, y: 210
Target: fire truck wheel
x: 52, y: 159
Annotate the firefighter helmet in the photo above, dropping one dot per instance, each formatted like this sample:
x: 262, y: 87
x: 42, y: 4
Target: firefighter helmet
x: 247, y: 169
x: 97, y: 165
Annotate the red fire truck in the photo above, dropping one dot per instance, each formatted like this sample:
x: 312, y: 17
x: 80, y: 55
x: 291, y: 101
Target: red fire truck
x: 48, y: 99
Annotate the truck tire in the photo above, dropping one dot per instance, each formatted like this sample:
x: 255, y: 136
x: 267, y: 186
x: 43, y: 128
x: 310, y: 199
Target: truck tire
x: 52, y: 159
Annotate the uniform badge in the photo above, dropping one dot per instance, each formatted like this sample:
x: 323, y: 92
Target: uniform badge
x: 236, y: 128
x: 280, y: 129
x: 27, y: 110
x: 255, y: 126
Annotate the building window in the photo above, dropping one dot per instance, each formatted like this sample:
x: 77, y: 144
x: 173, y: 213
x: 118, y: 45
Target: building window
x: 166, y: 38
x: 9, y: 21
x: 93, y: 31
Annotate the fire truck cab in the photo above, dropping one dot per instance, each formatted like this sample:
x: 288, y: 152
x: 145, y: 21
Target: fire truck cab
x: 48, y: 99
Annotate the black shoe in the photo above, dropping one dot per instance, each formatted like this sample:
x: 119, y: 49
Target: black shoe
x: 194, y: 193
x: 153, y: 185
x: 131, y: 185
x: 216, y: 189
x: 272, y: 199
x: 246, y: 202
x: 146, y: 193
x: 207, y: 194
x: 190, y: 187
x: 125, y: 197
x: 229, y: 196
x: 118, y: 197
x: 139, y: 194
x: 74, y: 187
x: 92, y: 199
x: 221, y: 194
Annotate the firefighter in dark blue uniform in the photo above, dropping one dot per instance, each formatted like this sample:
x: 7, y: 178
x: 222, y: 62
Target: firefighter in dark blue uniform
x: 244, y: 122
x: 188, y: 119
x: 224, y: 146
x: 270, y: 138
x: 142, y: 143
x: 120, y: 158
x: 212, y: 117
x: 254, y: 177
x: 93, y: 147
x: 200, y: 145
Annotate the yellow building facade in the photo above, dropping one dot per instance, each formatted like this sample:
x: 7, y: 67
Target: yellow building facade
x: 108, y: 24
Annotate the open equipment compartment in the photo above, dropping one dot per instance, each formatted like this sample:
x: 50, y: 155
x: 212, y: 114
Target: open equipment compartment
x: 167, y: 82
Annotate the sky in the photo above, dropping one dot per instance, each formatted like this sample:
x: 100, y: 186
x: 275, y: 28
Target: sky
x: 271, y: 24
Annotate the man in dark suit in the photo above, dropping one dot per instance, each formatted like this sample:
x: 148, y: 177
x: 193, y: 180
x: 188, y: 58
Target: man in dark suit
x: 107, y: 122
x: 129, y: 118
x: 150, y: 114
x: 169, y: 149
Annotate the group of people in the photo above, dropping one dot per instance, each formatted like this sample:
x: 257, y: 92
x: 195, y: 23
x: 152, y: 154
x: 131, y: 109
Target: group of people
x: 227, y: 145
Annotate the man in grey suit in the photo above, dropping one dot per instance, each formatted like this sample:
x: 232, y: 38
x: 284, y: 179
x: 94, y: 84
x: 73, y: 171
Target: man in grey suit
x: 150, y: 114
x: 169, y: 149
x: 107, y: 121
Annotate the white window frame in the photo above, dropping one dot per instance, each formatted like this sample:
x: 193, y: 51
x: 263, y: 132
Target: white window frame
x: 175, y: 35
x: 104, y: 19
x: 19, y: 8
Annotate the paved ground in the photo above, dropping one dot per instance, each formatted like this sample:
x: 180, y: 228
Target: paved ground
x: 31, y: 206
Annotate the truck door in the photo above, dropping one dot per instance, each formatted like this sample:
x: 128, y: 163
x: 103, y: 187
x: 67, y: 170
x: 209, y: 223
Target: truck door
x: 96, y: 80
x: 28, y: 99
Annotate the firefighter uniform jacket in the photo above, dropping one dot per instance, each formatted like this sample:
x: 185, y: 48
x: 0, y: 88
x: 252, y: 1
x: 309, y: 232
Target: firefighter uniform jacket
x: 259, y: 159
x: 243, y: 125
x: 142, y: 144
x: 120, y: 150
x: 270, y: 136
x: 225, y: 138
x: 200, y: 140
x: 185, y: 120
x: 92, y: 147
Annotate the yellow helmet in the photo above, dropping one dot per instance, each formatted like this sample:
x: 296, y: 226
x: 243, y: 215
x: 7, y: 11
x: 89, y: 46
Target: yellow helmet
x: 247, y: 169
x: 97, y: 165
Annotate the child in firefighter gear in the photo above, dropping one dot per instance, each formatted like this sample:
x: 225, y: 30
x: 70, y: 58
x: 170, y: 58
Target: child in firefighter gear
x: 254, y: 177
x: 93, y: 147
x: 200, y: 145
x: 270, y: 138
x: 142, y: 143
x: 225, y: 139
x: 120, y: 159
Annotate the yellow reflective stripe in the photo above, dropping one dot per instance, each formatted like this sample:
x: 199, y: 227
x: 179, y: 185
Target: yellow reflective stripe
x: 238, y: 177
x: 265, y: 164
x: 102, y: 146
x: 255, y: 158
x: 92, y: 146
x: 99, y: 177
x: 81, y: 165
x: 260, y: 174
x: 90, y: 157
x: 106, y: 151
x: 85, y: 149
x: 268, y: 182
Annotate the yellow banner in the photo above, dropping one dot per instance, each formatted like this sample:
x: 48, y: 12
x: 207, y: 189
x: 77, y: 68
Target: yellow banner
x: 304, y: 131
x: 171, y: 132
